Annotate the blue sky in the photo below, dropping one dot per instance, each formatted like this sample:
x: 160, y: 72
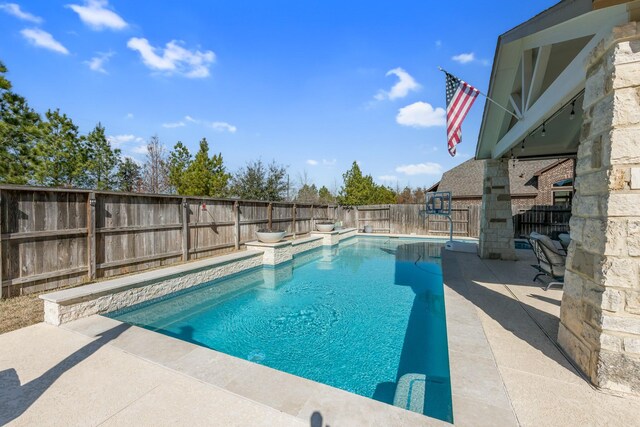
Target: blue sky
x: 314, y: 85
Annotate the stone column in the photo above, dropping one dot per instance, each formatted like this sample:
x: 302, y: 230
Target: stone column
x: 600, y: 312
x: 496, y: 225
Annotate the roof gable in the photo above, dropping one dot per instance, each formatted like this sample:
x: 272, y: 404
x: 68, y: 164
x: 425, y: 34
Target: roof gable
x: 467, y: 178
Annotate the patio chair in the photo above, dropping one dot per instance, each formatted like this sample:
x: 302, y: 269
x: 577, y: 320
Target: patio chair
x: 551, y: 261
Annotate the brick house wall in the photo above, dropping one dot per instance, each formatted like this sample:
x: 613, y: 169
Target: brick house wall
x: 546, y: 180
x: 539, y: 187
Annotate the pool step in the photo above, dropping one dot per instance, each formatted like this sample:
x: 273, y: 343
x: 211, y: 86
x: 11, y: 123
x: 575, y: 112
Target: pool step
x: 410, y: 392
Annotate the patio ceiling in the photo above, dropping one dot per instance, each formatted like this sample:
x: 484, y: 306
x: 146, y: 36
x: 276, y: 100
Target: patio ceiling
x: 538, y: 71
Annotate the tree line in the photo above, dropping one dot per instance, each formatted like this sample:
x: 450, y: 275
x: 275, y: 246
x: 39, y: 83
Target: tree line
x: 48, y: 150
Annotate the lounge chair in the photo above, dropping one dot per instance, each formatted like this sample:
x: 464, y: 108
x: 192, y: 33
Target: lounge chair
x: 551, y: 260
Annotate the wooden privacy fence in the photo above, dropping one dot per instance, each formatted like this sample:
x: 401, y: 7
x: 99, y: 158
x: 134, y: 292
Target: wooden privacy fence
x: 549, y: 220
x: 56, y: 237
x: 409, y: 218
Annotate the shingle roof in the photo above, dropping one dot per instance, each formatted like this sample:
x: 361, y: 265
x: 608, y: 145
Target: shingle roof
x: 467, y: 178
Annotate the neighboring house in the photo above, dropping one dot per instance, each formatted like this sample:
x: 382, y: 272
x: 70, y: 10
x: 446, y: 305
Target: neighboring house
x: 533, y: 183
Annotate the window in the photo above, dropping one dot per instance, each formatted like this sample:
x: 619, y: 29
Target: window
x: 562, y: 198
x: 564, y: 183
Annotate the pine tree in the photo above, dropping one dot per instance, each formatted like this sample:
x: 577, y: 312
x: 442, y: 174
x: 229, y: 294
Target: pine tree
x: 62, y: 153
x: 325, y: 196
x: 19, y: 131
x: 103, y: 161
x: 178, y: 163
x: 205, y: 176
x: 129, y: 176
x: 383, y: 195
x: 358, y: 189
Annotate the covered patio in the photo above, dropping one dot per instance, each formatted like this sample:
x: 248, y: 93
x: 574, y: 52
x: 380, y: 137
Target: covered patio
x: 570, y: 76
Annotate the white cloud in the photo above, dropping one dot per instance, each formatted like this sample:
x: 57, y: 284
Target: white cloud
x: 223, y: 127
x: 331, y: 162
x: 173, y: 125
x: 464, y: 58
x: 41, y: 38
x: 14, y: 9
x: 129, y: 116
x: 97, y: 62
x: 95, y: 14
x: 438, y: 44
x: 420, y: 169
x: 173, y: 58
x: 312, y: 162
x: 388, y: 178
x: 119, y: 140
x: 140, y: 149
x: 219, y: 126
x: 405, y: 84
x: 421, y: 115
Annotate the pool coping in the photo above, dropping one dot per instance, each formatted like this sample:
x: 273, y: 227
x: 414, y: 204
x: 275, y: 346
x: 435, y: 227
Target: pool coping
x: 479, y: 395
x: 477, y: 388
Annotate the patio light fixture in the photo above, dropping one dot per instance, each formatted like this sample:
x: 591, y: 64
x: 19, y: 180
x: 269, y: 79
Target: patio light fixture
x: 573, y: 110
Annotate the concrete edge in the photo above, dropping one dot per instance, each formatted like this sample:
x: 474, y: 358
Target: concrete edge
x: 418, y: 236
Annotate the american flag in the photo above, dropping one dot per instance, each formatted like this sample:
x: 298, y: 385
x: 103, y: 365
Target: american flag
x: 460, y: 98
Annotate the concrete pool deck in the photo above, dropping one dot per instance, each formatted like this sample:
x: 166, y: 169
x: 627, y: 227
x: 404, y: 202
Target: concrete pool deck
x: 505, y: 369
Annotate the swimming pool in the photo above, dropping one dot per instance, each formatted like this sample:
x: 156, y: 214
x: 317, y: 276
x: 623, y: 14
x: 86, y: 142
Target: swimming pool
x: 366, y: 316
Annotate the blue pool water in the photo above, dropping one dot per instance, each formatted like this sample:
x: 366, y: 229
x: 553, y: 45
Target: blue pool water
x: 367, y: 317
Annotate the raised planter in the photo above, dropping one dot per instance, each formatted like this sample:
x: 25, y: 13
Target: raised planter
x: 270, y: 236
x: 325, y: 226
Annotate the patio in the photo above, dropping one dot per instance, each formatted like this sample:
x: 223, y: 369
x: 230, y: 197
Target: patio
x: 498, y: 320
x: 520, y: 321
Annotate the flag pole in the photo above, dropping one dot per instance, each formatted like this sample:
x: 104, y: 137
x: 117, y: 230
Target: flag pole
x: 489, y: 99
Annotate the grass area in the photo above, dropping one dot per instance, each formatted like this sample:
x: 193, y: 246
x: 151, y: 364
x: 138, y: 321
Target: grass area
x: 18, y: 312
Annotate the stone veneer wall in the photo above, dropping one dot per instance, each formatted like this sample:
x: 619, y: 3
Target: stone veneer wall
x: 59, y: 313
x: 600, y: 312
x: 496, y: 223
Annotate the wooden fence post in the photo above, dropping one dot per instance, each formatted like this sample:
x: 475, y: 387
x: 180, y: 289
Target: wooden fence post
x: 389, y: 218
x: 313, y: 220
x: 91, y: 236
x: 269, y: 215
x: 236, y: 225
x: 293, y: 209
x: 185, y: 229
